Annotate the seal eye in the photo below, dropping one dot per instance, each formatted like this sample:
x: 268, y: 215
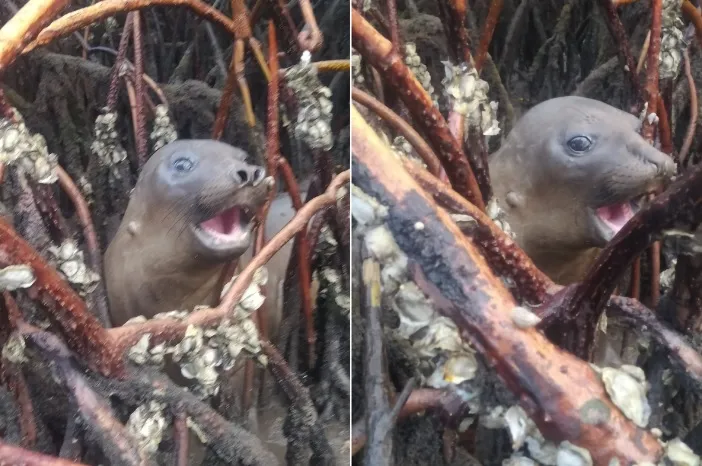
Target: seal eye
x: 183, y: 164
x: 579, y: 143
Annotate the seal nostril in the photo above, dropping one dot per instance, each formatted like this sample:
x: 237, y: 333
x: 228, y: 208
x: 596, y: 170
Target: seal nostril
x: 243, y: 176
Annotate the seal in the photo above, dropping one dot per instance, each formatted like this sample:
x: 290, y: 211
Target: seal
x: 569, y: 175
x: 189, y: 214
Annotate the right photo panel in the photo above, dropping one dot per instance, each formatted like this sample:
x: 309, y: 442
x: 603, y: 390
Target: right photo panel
x: 526, y: 260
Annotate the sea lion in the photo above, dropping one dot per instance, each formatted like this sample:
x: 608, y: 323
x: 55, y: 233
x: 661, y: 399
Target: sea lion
x: 190, y: 213
x: 569, y: 175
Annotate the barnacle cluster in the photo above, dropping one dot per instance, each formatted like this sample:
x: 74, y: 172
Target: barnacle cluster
x: 14, y: 277
x: 143, y: 353
x: 499, y: 216
x: 71, y: 263
x: 467, y: 95
x: 419, y: 69
x: 163, y: 132
x: 446, y: 358
x: 26, y: 150
x: 524, y: 431
x: 540, y: 451
x: 356, y: 72
x: 314, y: 107
x: 331, y: 284
x: 204, y: 352
x: 627, y: 387
x: 402, y: 148
x: 147, y: 424
x: 672, y: 39
x: 106, y: 145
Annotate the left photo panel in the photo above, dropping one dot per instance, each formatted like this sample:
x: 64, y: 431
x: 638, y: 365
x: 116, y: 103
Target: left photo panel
x: 174, y: 237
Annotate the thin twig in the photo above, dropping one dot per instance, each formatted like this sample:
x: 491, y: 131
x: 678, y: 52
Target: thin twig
x: 140, y: 136
x: 303, y: 264
x: 692, y: 124
x: 393, y: 119
x: 379, y: 446
x: 310, y: 38
x: 654, y: 50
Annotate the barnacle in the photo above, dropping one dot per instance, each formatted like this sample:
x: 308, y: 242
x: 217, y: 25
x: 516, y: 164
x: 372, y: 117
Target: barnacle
x: 524, y: 318
x: 14, y: 277
x: 86, y: 188
x: 672, y: 39
x: 72, y: 265
x: 499, y: 216
x: 467, y: 95
x: 519, y: 425
x: 176, y: 315
x: 356, y: 71
x: 314, y: 107
x: 627, y: 389
x: 366, y: 211
x: 13, y: 350
x: 252, y: 299
x: 147, y: 424
x: 163, y: 132
x: 523, y: 430
x: 572, y: 455
x: 140, y: 353
x: 419, y: 69
x: 191, y: 343
x: 107, y: 146
x: 18, y: 146
x: 201, y: 354
x: 519, y: 460
x: 678, y: 453
x: 383, y: 247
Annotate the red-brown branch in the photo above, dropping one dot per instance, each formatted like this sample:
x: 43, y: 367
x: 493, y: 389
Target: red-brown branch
x: 140, y: 124
x: 303, y: 254
x: 378, y: 51
x: 113, y: 90
x: 11, y: 455
x: 691, y: 12
x: 488, y: 30
x: 82, y: 331
x: 616, y: 29
x: 692, y: 124
x: 78, y: 19
x: 24, y: 26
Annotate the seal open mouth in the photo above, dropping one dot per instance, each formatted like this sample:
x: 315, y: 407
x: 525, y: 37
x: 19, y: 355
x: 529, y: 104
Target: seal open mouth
x: 229, y: 229
x: 615, y: 216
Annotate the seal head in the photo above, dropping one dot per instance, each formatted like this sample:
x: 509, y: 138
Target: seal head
x: 191, y: 211
x: 571, y: 173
